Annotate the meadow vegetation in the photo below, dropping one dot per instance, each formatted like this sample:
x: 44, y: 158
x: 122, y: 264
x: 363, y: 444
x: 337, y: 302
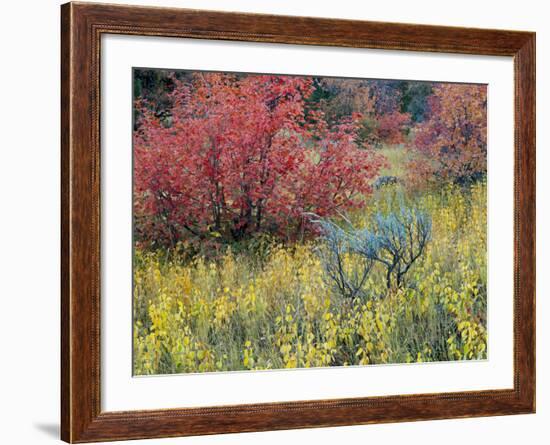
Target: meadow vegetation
x: 274, y: 309
x: 395, y: 273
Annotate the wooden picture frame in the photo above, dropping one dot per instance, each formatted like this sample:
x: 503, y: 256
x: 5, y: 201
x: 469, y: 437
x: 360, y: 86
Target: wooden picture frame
x: 82, y: 25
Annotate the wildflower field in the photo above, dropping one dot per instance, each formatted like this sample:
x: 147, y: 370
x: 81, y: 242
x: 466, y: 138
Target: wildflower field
x: 296, y: 273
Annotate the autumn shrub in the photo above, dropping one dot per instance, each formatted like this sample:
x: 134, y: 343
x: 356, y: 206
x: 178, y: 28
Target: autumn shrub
x: 239, y: 156
x: 453, y: 140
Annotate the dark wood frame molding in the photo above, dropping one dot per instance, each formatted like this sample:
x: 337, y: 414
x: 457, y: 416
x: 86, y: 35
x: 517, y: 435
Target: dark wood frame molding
x: 82, y: 25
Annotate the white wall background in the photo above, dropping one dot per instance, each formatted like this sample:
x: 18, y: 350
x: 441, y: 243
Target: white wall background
x: 29, y: 219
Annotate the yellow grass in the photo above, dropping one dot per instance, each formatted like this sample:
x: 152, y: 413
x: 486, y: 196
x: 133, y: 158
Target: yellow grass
x: 275, y: 310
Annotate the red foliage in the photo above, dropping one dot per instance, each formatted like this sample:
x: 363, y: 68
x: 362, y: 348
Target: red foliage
x: 240, y: 156
x: 392, y: 127
x: 454, y: 139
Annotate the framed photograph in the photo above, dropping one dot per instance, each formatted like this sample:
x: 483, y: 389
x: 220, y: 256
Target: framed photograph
x: 274, y: 222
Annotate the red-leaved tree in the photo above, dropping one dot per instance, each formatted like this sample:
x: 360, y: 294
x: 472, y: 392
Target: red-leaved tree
x: 238, y: 156
x: 454, y: 138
